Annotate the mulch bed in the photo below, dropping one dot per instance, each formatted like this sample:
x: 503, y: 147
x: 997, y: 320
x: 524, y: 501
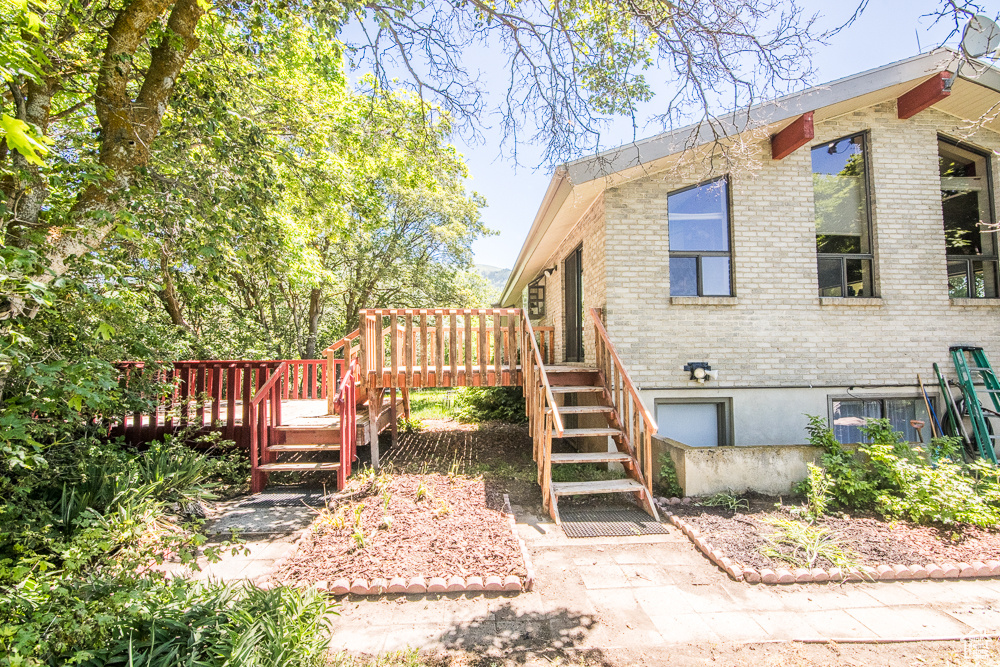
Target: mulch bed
x: 741, y: 536
x: 455, y: 526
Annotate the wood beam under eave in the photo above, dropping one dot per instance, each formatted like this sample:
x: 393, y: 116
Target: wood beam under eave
x: 930, y: 92
x: 793, y: 137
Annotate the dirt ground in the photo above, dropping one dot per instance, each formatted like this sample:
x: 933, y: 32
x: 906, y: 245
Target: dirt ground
x: 743, y: 533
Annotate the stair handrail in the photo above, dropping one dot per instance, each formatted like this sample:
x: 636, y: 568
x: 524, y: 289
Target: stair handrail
x: 347, y: 408
x: 331, y: 364
x: 608, y: 360
x: 543, y: 377
x: 259, y: 428
x: 540, y: 404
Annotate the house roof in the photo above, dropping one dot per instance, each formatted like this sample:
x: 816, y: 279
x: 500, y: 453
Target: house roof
x: 576, y: 185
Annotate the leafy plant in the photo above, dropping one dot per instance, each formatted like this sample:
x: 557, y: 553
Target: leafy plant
x: 818, y: 489
x: 410, y: 425
x: 483, y: 404
x: 442, y: 510
x: 422, y: 492
x: 805, y: 545
x: 727, y: 500
x: 669, y: 484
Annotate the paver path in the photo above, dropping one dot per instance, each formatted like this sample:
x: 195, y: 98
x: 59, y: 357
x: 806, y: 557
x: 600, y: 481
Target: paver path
x: 622, y: 593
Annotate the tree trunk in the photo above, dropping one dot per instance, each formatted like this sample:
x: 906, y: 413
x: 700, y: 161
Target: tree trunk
x: 315, y: 313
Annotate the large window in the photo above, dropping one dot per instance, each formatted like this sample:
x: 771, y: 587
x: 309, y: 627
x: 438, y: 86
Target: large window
x: 966, y: 205
x: 843, y: 227
x: 700, y: 258
x: 693, y: 422
x: 850, y: 414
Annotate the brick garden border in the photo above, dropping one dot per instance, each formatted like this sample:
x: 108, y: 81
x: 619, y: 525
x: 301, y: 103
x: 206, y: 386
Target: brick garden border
x: 801, y: 575
x: 431, y: 585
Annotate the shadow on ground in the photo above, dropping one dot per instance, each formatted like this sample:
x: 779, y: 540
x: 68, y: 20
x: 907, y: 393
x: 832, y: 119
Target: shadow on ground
x: 519, y: 637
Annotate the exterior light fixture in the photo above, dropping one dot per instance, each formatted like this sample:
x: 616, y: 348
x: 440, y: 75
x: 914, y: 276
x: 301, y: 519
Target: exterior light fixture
x: 700, y: 370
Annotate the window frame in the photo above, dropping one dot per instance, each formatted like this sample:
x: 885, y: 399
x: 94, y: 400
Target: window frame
x: 881, y: 398
x: 969, y: 259
x: 842, y: 257
x: 698, y: 254
x: 536, y: 299
x: 724, y: 408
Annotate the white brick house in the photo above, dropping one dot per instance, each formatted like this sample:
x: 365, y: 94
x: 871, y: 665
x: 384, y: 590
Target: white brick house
x: 819, y: 283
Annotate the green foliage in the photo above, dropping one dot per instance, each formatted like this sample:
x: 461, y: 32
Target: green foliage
x: 727, y: 500
x: 669, y: 485
x: 903, y: 481
x: 804, y: 545
x: 818, y: 487
x: 410, y: 425
x: 585, y: 472
x: 482, y: 404
x: 52, y: 619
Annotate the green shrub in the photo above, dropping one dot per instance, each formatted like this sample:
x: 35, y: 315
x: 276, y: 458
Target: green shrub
x: 483, y: 404
x: 900, y: 480
x: 669, y: 484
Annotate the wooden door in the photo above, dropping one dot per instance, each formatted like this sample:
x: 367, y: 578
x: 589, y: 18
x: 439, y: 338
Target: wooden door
x: 573, y: 304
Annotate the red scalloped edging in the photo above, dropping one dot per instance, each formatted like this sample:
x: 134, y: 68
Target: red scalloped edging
x: 895, y: 572
x: 434, y: 585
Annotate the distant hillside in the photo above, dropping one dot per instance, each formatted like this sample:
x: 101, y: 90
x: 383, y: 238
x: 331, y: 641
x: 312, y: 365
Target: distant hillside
x: 495, y: 275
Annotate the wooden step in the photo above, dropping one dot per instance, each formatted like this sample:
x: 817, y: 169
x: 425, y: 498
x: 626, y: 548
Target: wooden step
x: 607, y: 486
x: 588, y: 432
x: 576, y: 389
x: 304, y: 448
x: 591, y: 457
x: 581, y: 409
x: 307, y: 435
x: 284, y: 467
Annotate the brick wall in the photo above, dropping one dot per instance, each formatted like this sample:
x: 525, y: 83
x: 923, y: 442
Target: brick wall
x: 777, y: 332
x: 590, y: 232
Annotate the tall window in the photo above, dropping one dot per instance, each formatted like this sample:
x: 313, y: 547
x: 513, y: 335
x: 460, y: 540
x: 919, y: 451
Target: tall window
x: 849, y: 415
x: 966, y: 205
x: 843, y: 227
x: 698, y: 221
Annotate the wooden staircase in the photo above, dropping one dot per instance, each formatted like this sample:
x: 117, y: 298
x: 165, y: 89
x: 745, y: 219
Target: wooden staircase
x: 596, y: 408
x: 585, y: 384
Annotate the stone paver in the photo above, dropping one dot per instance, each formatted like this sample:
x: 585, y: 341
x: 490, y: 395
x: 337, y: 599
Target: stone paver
x: 657, y: 590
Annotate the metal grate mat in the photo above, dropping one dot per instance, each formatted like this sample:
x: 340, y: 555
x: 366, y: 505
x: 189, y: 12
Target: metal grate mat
x: 620, y: 522
x: 311, y: 498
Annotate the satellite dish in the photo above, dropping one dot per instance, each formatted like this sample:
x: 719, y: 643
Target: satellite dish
x: 981, y: 36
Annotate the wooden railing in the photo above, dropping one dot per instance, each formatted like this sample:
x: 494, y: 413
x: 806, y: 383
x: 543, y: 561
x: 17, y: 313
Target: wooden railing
x: 212, y: 395
x: 348, y: 348
x: 544, y: 420
x: 304, y: 379
x: 546, y: 338
x: 265, y: 414
x: 440, y: 347
x: 346, y: 405
x: 638, y: 426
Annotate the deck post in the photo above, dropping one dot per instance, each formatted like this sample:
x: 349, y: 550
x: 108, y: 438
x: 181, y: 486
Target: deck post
x: 374, y: 407
x: 394, y: 426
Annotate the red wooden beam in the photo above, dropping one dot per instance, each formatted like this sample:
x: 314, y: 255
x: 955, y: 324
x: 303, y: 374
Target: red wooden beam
x: 793, y: 137
x: 931, y: 91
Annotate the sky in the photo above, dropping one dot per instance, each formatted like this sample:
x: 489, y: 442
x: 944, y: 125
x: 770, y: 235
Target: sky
x: 887, y: 31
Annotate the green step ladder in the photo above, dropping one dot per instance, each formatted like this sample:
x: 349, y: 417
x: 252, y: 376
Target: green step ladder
x: 961, y: 354
x: 952, y: 421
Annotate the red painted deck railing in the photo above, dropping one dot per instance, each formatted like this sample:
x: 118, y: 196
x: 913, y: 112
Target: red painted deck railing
x: 265, y: 414
x: 216, y: 395
x: 346, y: 403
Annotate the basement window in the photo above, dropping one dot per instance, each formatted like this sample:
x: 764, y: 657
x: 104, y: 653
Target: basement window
x: 967, y: 207
x: 843, y: 218
x: 698, y: 226
x: 694, y: 422
x: 848, y: 415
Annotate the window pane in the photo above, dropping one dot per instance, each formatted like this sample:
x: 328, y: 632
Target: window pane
x: 850, y: 416
x: 859, y: 277
x: 698, y: 218
x: 694, y: 424
x: 840, y: 196
x: 830, y: 277
x: 900, y: 411
x: 683, y: 276
x: 715, y: 276
x: 965, y: 201
x: 984, y: 275
x: 958, y: 280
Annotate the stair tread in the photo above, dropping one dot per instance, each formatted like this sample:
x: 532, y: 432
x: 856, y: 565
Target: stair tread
x: 572, y: 389
x: 606, y: 486
x: 304, y: 448
x: 570, y: 369
x: 582, y: 432
x: 582, y: 409
x: 591, y: 457
x: 281, y: 467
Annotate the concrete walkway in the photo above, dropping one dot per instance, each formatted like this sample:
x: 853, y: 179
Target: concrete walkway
x: 622, y: 593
